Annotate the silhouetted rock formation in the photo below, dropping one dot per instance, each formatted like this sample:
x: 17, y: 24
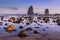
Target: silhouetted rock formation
x: 30, y: 10
x: 46, y: 12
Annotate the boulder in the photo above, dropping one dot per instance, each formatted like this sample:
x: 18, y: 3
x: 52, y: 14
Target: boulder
x: 1, y: 23
x: 43, y: 29
x: 11, y: 28
x: 21, y: 27
x: 4, y: 28
x: 23, y: 33
x: 6, y: 23
x: 58, y: 21
x: 27, y: 23
x: 16, y: 22
x: 29, y: 29
x: 36, y: 32
x: 12, y: 19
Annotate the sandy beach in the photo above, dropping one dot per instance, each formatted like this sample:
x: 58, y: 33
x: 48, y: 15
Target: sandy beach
x: 35, y: 37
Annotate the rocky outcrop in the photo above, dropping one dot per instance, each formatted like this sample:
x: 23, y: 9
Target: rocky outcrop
x: 46, y: 12
x: 30, y: 10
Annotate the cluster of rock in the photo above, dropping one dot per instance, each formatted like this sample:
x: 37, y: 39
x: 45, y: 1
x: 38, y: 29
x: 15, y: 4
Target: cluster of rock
x: 23, y: 33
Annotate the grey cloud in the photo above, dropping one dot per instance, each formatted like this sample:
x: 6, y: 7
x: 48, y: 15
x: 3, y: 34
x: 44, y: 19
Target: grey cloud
x: 8, y: 7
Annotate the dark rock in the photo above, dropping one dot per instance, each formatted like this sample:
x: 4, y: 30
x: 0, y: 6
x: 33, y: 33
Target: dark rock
x: 1, y: 18
x: 36, y: 32
x: 43, y: 29
x: 46, y: 19
x: 21, y: 27
x: 4, y: 28
x: 47, y: 27
x: 8, y: 20
x: 12, y: 19
x: 22, y: 22
x: 6, y: 23
x: 58, y: 21
x: 29, y: 29
x: 23, y: 33
x: 30, y: 10
x: 35, y: 21
x: 1, y: 23
x: 46, y: 12
x: 27, y: 23
x: 37, y: 27
x: 21, y: 19
x: 16, y: 22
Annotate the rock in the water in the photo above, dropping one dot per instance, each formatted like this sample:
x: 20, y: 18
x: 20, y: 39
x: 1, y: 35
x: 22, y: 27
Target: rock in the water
x: 43, y: 29
x: 11, y: 28
x: 36, y: 32
x: 47, y: 27
x: 6, y: 23
x: 46, y: 19
x: 1, y: 23
x: 12, y: 19
x: 21, y: 27
x: 27, y: 23
x: 23, y: 33
x: 21, y: 19
x: 22, y: 22
x: 4, y: 28
x: 37, y: 27
x: 16, y: 22
x: 35, y: 21
x: 58, y: 21
x: 29, y: 29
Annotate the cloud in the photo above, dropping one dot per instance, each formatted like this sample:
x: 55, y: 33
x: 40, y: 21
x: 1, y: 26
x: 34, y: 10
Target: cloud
x: 8, y: 10
x: 8, y: 7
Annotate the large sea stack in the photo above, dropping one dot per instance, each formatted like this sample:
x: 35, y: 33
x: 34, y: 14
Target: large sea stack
x: 30, y: 10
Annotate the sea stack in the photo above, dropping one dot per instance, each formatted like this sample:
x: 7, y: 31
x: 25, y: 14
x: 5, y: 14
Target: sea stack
x: 46, y: 12
x: 30, y: 10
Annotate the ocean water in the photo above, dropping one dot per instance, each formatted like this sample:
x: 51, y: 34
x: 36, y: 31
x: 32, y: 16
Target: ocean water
x: 49, y: 28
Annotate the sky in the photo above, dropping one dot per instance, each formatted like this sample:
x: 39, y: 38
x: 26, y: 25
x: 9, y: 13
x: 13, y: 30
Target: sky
x: 21, y: 6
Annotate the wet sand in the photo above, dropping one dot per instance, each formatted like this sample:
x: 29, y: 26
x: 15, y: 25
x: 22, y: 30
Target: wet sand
x: 34, y: 37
